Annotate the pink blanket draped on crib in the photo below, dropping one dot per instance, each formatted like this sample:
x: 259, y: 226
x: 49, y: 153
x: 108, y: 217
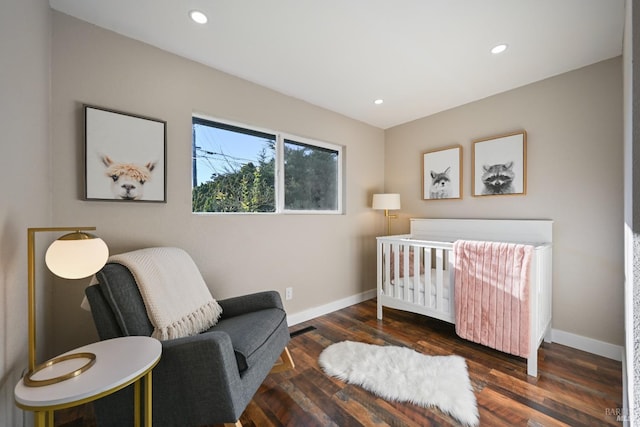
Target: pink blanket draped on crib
x: 492, y: 294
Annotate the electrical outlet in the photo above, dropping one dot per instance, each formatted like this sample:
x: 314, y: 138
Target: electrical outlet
x: 288, y: 294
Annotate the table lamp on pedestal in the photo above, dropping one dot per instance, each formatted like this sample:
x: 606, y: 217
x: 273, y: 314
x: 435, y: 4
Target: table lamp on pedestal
x: 387, y: 201
x: 73, y: 256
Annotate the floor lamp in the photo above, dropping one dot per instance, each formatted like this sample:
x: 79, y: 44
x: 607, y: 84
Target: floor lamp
x: 72, y: 256
x: 387, y: 201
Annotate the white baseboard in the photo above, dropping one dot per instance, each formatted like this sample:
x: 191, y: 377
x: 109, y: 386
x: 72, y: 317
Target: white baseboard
x: 589, y: 345
x: 312, y: 313
x: 579, y: 342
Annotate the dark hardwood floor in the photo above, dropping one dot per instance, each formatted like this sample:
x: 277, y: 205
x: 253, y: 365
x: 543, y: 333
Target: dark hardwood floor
x: 574, y: 388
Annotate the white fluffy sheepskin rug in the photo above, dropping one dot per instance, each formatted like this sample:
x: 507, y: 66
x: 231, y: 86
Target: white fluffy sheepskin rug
x: 404, y: 375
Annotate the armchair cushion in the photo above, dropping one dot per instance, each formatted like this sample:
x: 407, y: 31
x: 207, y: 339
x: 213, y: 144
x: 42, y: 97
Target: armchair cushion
x: 121, y: 292
x: 247, y: 303
x: 249, y: 332
x: 100, y: 309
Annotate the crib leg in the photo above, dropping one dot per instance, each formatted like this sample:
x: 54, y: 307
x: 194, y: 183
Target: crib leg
x: 532, y: 364
x: 379, y: 309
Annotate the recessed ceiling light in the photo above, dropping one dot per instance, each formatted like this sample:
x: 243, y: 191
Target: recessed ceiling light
x: 498, y: 49
x: 198, y: 17
x: 378, y: 101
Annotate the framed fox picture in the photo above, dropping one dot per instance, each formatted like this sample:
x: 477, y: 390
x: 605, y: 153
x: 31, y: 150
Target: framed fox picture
x: 442, y: 173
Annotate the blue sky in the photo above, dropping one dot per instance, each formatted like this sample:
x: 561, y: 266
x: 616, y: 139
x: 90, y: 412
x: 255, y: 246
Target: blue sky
x: 221, y: 150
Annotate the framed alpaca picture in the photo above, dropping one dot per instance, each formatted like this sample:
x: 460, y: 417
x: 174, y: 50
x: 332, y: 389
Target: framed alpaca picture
x: 499, y: 165
x: 442, y: 174
x: 125, y: 156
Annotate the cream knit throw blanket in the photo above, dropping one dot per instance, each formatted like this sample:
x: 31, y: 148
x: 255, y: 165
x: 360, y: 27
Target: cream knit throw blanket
x: 178, y: 301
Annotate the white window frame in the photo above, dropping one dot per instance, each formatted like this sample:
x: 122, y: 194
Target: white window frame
x: 279, y: 190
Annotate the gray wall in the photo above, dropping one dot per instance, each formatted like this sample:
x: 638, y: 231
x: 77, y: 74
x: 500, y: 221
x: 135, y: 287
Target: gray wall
x: 323, y: 257
x: 25, y: 198
x: 575, y: 162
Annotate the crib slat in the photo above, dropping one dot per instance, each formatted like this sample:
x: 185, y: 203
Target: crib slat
x: 417, y: 251
x: 396, y: 270
x: 387, y: 269
x: 428, y: 300
x: 439, y: 279
x: 405, y: 269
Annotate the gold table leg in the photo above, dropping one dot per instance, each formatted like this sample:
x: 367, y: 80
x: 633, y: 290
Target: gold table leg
x: 43, y: 419
x: 148, y: 402
x: 136, y: 403
x: 39, y: 419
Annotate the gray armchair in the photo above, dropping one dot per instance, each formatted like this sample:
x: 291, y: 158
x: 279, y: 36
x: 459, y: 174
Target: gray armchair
x: 200, y: 380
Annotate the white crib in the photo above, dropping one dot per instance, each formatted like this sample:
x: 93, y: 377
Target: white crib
x: 416, y: 270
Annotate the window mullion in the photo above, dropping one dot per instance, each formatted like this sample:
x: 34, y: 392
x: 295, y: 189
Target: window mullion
x: 279, y: 173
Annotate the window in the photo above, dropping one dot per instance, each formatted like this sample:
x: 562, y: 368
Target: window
x: 239, y: 169
x: 310, y: 177
x: 233, y: 169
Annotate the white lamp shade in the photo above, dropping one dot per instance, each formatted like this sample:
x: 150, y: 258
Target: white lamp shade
x: 75, y: 258
x: 389, y: 201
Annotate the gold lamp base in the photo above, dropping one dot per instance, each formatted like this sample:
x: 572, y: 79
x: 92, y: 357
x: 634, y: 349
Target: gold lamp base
x: 30, y: 382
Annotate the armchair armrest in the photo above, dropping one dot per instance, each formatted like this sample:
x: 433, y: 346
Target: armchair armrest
x: 253, y: 302
x: 201, y: 366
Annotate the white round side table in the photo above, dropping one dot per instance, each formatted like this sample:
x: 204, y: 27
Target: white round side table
x: 119, y: 362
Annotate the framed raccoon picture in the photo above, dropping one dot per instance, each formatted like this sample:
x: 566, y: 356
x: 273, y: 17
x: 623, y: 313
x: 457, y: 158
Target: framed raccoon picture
x: 442, y: 174
x: 499, y: 165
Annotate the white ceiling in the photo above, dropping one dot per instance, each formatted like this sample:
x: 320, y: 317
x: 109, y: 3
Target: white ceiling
x: 420, y: 56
